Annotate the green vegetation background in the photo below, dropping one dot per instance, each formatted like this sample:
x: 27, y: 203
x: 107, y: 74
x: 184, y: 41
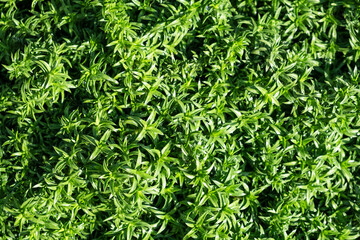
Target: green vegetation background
x: 164, y: 119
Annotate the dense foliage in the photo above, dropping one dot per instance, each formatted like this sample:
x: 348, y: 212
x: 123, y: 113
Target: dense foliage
x: 179, y: 119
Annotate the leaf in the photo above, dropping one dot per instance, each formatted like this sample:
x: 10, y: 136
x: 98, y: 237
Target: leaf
x: 95, y: 153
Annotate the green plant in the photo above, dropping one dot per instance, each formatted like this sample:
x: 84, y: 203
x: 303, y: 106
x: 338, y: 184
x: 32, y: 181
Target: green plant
x: 159, y: 119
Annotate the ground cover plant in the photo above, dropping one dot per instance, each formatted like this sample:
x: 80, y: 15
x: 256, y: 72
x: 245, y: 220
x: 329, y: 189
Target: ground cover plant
x: 179, y: 119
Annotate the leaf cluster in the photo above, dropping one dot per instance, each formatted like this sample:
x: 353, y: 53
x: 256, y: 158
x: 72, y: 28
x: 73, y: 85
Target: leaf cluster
x: 181, y: 119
